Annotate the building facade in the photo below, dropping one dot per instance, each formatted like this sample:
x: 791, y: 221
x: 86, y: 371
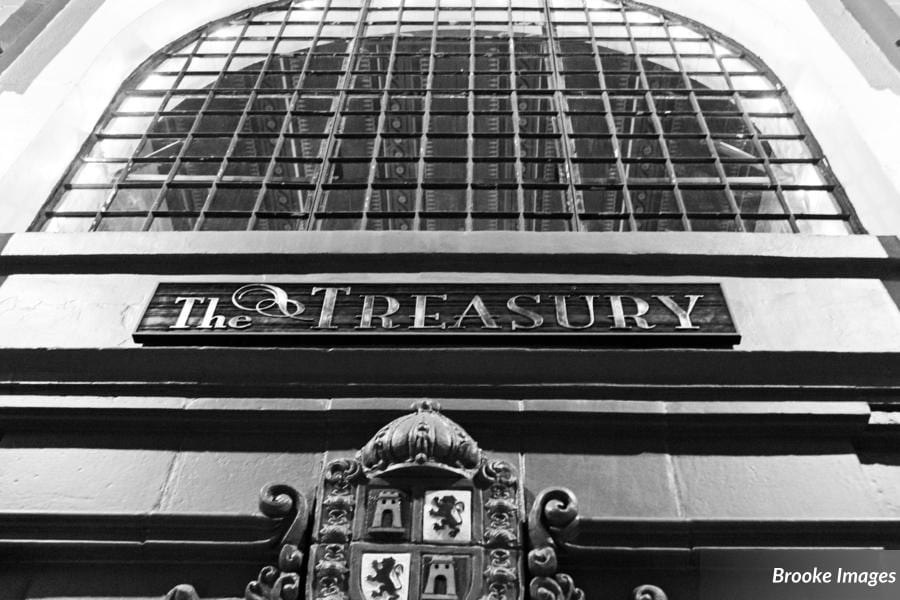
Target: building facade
x: 635, y: 265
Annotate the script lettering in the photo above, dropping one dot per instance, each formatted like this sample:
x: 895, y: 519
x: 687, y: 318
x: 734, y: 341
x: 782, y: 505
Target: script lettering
x: 182, y: 321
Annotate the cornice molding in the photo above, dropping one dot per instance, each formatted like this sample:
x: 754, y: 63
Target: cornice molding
x: 309, y: 417
x: 444, y: 371
x: 646, y: 254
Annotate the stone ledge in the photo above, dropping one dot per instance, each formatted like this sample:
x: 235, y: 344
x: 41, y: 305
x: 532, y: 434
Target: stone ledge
x: 440, y: 371
x: 604, y: 534
x: 532, y: 418
x: 92, y: 537
x: 761, y: 255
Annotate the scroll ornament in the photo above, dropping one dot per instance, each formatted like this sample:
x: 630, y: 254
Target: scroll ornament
x: 648, y: 592
x: 552, y: 522
x: 282, y: 582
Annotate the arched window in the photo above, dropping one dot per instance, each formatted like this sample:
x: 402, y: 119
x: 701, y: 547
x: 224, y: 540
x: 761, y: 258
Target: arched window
x: 526, y: 115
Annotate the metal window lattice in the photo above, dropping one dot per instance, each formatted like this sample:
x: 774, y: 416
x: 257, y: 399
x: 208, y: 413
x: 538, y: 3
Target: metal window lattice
x: 524, y: 115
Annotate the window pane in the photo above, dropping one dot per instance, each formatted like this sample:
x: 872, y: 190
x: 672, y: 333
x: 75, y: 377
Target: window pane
x: 515, y: 115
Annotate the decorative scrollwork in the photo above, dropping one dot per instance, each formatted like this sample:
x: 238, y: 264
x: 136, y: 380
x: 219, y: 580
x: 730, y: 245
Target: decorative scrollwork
x: 648, y: 592
x: 542, y: 561
x: 182, y: 591
x: 273, y: 584
x: 560, y: 587
x: 501, y: 576
x: 282, y: 582
x: 552, y: 522
x: 278, y: 501
x: 331, y: 572
x: 342, y: 472
x: 268, y: 298
x: 339, y: 501
x: 501, y: 512
x: 496, y: 471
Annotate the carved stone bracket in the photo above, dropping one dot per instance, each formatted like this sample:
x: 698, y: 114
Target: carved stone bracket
x: 648, y: 592
x: 182, y: 591
x: 282, y: 582
x: 552, y: 522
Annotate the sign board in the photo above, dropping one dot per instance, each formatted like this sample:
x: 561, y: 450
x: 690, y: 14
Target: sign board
x: 653, y: 314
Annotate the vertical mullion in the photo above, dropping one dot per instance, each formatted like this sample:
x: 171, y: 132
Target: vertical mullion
x: 610, y: 121
x: 419, y: 205
x: 385, y: 106
x: 773, y: 180
x: 470, y: 124
x: 190, y: 136
x: 670, y: 169
x: 166, y: 97
x: 720, y: 170
x: 201, y: 218
x: 514, y: 103
x: 279, y: 142
x: 226, y: 156
x: 336, y: 106
x: 562, y: 106
x: 145, y: 226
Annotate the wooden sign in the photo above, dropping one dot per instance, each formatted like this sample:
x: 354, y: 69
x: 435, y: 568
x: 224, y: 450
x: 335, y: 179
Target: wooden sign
x: 652, y: 314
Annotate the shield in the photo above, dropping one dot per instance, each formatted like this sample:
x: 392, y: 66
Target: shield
x: 415, y: 542
x: 419, y: 515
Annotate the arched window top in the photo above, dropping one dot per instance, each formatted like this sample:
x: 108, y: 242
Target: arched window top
x: 527, y: 115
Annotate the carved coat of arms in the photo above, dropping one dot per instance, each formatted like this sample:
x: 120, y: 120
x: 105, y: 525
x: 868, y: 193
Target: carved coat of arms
x: 418, y: 515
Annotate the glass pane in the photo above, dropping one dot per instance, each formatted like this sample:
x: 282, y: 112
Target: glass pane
x: 514, y: 115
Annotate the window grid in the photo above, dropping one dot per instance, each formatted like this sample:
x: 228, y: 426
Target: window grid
x: 382, y: 120
x: 704, y: 126
x: 528, y: 115
x: 657, y: 124
x: 179, y: 158
x: 423, y: 139
x: 627, y: 205
x: 339, y: 103
x: 577, y: 209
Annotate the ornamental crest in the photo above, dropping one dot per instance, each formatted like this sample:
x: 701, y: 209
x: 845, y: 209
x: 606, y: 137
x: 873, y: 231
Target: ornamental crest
x: 418, y: 515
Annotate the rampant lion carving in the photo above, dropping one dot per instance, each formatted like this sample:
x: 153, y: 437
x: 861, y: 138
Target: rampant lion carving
x: 387, y: 576
x: 449, y: 512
